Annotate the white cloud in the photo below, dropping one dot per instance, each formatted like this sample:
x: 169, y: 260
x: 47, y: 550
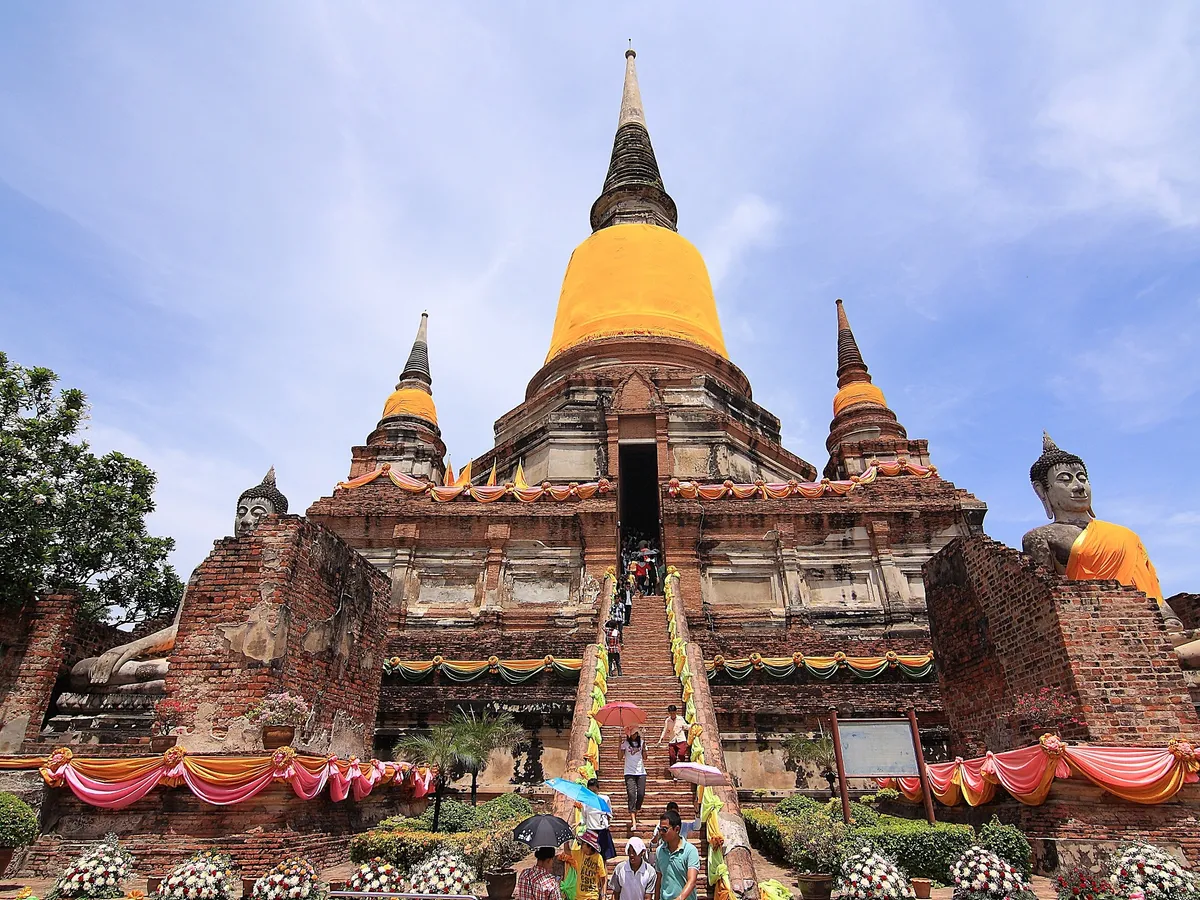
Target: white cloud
x: 752, y: 223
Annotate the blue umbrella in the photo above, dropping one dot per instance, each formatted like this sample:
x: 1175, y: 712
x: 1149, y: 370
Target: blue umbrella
x: 580, y: 794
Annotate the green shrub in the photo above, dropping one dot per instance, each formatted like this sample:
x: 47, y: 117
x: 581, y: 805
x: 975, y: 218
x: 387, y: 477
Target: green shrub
x: 816, y: 845
x: 1008, y: 843
x: 454, y: 817
x: 798, y: 806
x: 920, y: 849
x: 18, y: 821
x: 861, y: 815
x: 885, y: 795
x: 502, y: 809
x: 768, y: 832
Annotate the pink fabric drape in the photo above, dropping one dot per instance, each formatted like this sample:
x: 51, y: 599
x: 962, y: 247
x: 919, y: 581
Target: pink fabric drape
x: 1138, y: 774
x: 225, y: 780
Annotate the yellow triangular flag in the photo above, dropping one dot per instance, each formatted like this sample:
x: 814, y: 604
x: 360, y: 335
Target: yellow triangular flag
x: 464, y: 477
x: 449, y: 477
x: 519, y: 479
x: 492, y: 477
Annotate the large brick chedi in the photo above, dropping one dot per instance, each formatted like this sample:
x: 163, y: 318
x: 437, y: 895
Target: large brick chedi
x: 289, y: 607
x: 1003, y: 627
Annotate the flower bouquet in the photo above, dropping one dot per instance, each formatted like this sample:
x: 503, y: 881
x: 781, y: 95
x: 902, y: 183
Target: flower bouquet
x: 982, y: 875
x: 376, y: 876
x: 279, y: 709
x: 869, y: 875
x: 1153, y: 871
x: 207, y: 875
x: 293, y: 879
x: 97, y: 873
x: 445, y: 872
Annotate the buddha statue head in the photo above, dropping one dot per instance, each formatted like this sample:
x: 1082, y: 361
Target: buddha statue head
x: 1060, y: 480
x: 256, y: 503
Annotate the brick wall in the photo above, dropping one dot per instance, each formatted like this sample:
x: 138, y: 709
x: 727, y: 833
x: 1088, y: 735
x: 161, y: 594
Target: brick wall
x: 169, y: 824
x: 1001, y: 627
x: 35, y: 666
x: 290, y: 607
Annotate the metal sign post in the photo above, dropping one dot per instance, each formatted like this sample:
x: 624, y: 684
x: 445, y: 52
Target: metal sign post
x: 878, y: 748
x: 841, y: 765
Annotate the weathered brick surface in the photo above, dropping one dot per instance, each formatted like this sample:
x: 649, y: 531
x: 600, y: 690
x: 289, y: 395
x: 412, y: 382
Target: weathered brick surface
x: 290, y: 607
x: 35, y: 662
x: 1002, y: 627
x: 166, y: 826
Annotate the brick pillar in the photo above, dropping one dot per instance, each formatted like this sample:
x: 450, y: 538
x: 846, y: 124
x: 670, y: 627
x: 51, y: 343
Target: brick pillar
x: 1002, y: 627
x: 51, y: 622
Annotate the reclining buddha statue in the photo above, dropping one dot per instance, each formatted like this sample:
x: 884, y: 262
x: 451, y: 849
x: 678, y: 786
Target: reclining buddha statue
x: 1081, y: 547
x: 121, y: 677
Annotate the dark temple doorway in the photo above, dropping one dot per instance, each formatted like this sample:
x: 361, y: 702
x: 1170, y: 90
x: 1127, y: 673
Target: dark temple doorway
x: 637, y: 493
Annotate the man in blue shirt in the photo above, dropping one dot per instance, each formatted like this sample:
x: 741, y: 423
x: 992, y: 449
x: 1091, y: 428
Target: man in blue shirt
x: 678, y: 862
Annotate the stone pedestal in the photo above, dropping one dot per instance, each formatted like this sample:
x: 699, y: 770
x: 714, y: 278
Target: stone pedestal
x: 1003, y: 627
x: 288, y: 608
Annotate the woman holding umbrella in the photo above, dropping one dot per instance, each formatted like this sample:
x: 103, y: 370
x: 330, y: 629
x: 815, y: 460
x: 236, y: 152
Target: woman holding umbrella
x: 634, y: 749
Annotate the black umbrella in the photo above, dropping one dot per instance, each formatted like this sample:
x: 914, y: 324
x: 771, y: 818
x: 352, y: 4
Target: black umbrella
x: 543, y: 831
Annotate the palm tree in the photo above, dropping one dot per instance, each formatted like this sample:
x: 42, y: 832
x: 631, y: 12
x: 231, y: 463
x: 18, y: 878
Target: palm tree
x: 813, y: 749
x: 477, y: 736
x: 439, y: 750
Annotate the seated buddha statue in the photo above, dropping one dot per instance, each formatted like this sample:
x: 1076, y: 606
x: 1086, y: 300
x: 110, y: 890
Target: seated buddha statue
x: 141, y: 665
x: 1081, y: 547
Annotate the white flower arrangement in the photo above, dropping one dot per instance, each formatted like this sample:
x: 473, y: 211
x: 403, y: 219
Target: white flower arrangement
x: 980, y: 873
x: 97, y: 873
x: 205, y: 876
x: 1153, y: 871
x: 869, y: 875
x: 445, y: 872
x: 376, y: 876
x: 293, y: 879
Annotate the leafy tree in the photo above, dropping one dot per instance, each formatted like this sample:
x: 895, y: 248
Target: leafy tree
x: 813, y: 749
x: 440, y: 750
x: 478, y: 736
x: 71, y: 520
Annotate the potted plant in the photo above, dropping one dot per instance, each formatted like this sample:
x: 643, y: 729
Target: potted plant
x: 922, y: 887
x: 499, y: 856
x: 279, y: 714
x: 18, y: 827
x: 168, y: 715
x: 815, y: 853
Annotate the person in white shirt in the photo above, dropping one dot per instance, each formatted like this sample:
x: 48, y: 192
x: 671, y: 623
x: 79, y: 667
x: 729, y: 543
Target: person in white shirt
x: 674, y: 732
x: 634, y: 749
x: 634, y: 878
x: 598, y: 821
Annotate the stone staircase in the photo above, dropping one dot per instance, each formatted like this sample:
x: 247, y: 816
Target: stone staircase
x: 648, y: 681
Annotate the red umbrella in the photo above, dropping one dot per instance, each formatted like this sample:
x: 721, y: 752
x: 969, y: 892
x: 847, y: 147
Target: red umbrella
x: 620, y: 713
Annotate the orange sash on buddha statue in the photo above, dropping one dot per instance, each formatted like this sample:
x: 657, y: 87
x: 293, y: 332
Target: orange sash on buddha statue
x: 1106, y: 551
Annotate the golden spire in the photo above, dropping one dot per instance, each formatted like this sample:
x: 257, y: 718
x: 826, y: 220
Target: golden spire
x: 413, y: 396
x: 854, y: 381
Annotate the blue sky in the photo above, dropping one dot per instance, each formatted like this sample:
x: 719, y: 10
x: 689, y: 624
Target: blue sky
x: 223, y: 221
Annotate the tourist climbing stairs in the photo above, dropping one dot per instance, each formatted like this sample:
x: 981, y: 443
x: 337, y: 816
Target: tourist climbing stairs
x: 649, y: 681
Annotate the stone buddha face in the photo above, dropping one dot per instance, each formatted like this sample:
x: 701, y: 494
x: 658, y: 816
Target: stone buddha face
x: 1066, y: 492
x: 251, y: 511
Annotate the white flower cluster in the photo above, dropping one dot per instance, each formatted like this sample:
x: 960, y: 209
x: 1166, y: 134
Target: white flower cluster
x: 445, y: 872
x: 292, y: 879
x: 376, y: 876
x: 983, y: 873
x: 206, y: 876
x: 869, y: 875
x: 1152, y: 870
x: 97, y: 873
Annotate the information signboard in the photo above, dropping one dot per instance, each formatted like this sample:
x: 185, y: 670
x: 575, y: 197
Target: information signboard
x: 877, y: 748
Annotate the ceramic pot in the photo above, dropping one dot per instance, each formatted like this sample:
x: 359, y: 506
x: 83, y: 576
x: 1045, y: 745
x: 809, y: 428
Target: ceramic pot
x: 921, y: 887
x: 248, y: 886
x: 815, y: 886
x: 500, y: 885
x: 276, y: 736
x: 6, y: 855
x: 152, y: 883
x: 161, y: 743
